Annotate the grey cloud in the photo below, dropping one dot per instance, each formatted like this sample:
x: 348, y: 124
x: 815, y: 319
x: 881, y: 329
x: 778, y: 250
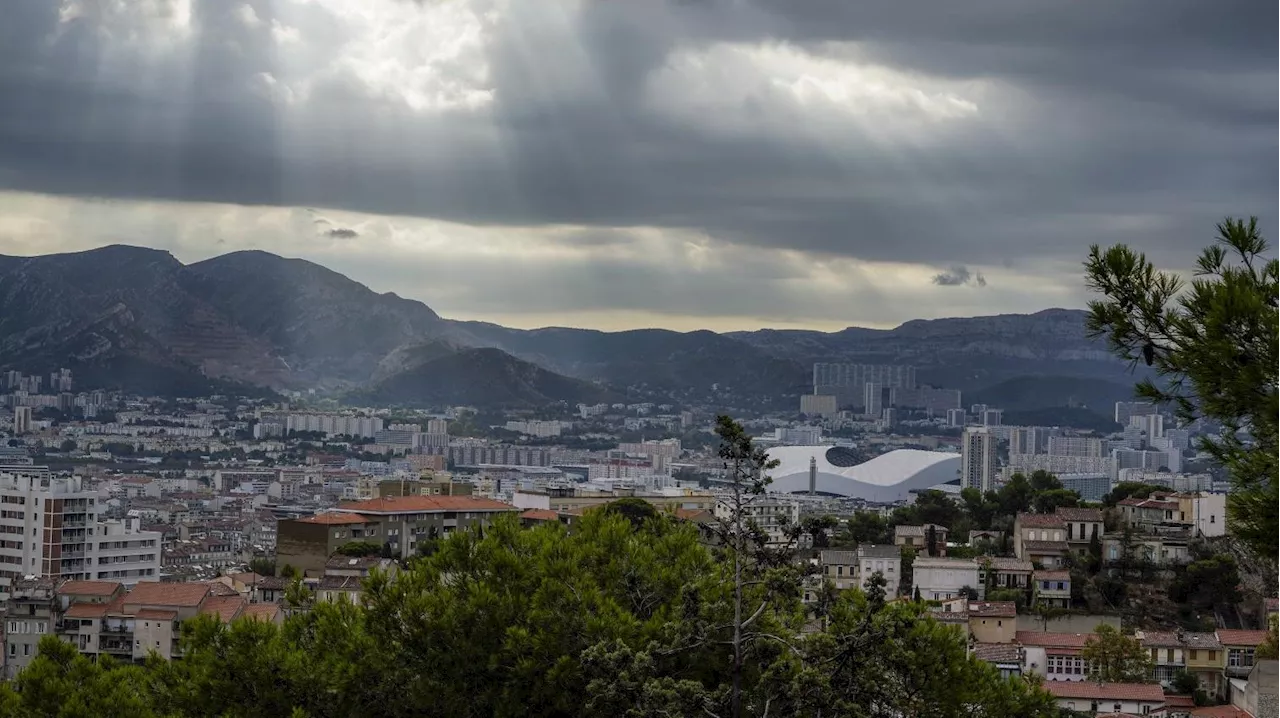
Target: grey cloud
x: 1137, y: 121
x: 342, y: 233
x: 959, y: 275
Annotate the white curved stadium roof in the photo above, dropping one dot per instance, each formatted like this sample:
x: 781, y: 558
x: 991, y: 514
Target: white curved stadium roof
x: 886, y: 478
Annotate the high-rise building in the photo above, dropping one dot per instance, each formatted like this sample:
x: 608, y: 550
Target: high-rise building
x: 874, y: 398
x: 51, y: 528
x: 823, y: 405
x: 437, y: 426
x: 21, y: 419
x: 1076, y: 446
x: 1127, y: 409
x: 1151, y: 424
x: 955, y: 417
x: 992, y: 417
x: 977, y: 458
x: 1024, y: 440
x: 847, y: 382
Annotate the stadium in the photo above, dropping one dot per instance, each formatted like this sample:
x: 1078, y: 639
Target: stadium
x: 886, y: 478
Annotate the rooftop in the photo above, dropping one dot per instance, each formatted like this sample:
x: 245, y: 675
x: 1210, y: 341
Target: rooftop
x: 1201, y: 640
x: 1078, y: 515
x: 879, y: 551
x: 1232, y: 637
x: 1002, y: 563
x: 908, y: 530
x: 261, y: 611
x: 997, y: 652
x: 993, y: 609
x: 540, y: 515
x: 1053, y: 640
x: 89, y: 588
x: 225, y: 608
x: 151, y: 593
x: 1147, y: 692
x: 424, y: 504
x: 1051, y: 576
x: 1161, y: 639
x: 1041, y: 521
x: 85, y: 609
x: 843, y: 558
x: 333, y: 519
x: 156, y: 614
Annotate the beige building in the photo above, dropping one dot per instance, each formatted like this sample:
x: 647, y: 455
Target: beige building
x: 917, y: 537
x: 575, y: 500
x: 993, y: 621
x: 1040, y: 538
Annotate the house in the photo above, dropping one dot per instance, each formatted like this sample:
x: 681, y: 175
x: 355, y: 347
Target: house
x: 1051, y: 588
x: 998, y: 572
x: 993, y: 621
x: 1083, y: 525
x: 339, y: 588
x: 917, y: 537
x: 941, y: 578
x: 1007, y: 657
x: 30, y: 613
x: 884, y: 560
x: 840, y: 568
x: 977, y: 535
x: 1159, y: 549
x: 1148, y: 514
x: 269, y: 589
x: 1240, y: 647
x: 1040, y: 538
x: 1206, y: 513
x: 1054, y: 656
x: 1100, y: 698
x: 1168, y: 654
x: 1206, y: 660
x: 1258, y: 696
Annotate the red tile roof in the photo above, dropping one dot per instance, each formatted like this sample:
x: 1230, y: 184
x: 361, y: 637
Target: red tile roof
x: 334, y: 519
x: 1078, y: 515
x: 261, y: 611
x: 155, y: 614
x: 540, y: 515
x: 225, y: 608
x: 1054, y: 640
x: 1040, y: 521
x: 997, y: 652
x: 1051, y: 576
x: 84, y: 609
x: 1088, y: 690
x: 89, y: 588
x: 218, y: 588
x: 1176, y: 701
x: 1232, y: 637
x: 424, y: 504
x: 151, y: 593
x: 1161, y: 639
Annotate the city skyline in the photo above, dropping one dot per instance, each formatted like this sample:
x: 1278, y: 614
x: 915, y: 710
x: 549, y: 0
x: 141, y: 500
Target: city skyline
x: 623, y: 165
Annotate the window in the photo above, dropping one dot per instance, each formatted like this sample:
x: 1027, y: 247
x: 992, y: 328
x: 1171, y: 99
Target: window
x: 26, y: 649
x: 1213, y: 519
x: 1194, y: 654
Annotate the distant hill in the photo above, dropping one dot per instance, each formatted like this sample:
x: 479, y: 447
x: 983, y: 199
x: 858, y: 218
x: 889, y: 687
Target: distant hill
x: 482, y: 377
x: 138, y: 319
x: 1072, y: 417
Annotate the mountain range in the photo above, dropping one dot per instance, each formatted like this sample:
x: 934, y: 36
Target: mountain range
x: 138, y: 319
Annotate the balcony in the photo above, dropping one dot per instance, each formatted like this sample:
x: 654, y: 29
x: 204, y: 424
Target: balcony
x: 117, y: 630
x: 1238, y: 671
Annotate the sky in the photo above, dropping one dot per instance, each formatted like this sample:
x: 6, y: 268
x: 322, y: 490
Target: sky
x: 719, y: 164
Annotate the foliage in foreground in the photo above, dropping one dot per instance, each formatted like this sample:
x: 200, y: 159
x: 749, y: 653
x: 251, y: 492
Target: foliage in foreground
x: 610, y: 619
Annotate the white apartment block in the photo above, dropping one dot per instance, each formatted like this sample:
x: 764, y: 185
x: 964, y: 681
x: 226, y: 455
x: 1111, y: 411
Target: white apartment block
x: 823, y: 405
x: 1076, y: 446
x: 1027, y: 463
x: 49, y: 527
x: 977, y: 458
x: 333, y: 424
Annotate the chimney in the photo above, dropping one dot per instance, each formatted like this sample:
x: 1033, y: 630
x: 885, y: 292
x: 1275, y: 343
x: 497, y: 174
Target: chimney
x: 813, y: 475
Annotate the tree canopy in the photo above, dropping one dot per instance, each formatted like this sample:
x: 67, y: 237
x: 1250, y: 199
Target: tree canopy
x: 1213, y: 345
x: 606, y: 618
x: 1114, y: 657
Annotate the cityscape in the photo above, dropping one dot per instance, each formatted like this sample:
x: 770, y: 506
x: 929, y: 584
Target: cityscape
x: 646, y: 358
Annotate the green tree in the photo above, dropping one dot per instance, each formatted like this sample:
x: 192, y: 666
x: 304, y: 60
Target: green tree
x: 60, y: 681
x: 67, y: 445
x: 1127, y: 489
x: 1114, y: 657
x: 263, y: 566
x: 1015, y: 496
x: 819, y: 529
x: 635, y: 510
x: 1185, y: 682
x: 1267, y: 650
x: 1208, y: 582
x: 1046, y: 502
x: 359, y: 548
x: 868, y: 527
x: 1213, y: 345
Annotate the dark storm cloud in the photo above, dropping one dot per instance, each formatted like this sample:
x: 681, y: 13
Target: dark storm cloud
x: 1137, y: 121
x: 959, y: 276
x: 342, y: 233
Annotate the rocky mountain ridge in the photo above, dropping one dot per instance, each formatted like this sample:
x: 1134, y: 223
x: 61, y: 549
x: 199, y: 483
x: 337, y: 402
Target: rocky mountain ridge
x: 260, y: 319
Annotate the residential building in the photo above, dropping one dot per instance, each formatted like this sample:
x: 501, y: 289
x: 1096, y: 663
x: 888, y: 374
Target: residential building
x: 823, y: 405
x: 993, y: 621
x: 1086, y: 446
x: 978, y: 458
x: 21, y: 420
x: 1091, y: 486
x: 943, y: 578
x: 1083, y: 526
x: 1135, y: 699
x: 428, y: 486
x: 998, y: 572
x: 1054, y: 656
x: 1127, y: 409
x: 840, y: 568
x: 1205, y: 512
x: 1168, y: 654
x: 1148, y: 514
x: 1006, y: 657
x: 1040, y: 538
x: 917, y: 537
x: 31, y: 613
x: 1052, y: 588
x: 1206, y: 660
x: 884, y: 560
x: 1240, y: 647
x: 572, y: 499
x: 1160, y: 549
x: 847, y: 382
x: 398, y: 522
x: 771, y: 513
x: 1257, y: 698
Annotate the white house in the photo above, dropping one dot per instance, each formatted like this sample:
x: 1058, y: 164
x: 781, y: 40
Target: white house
x: 941, y: 578
x: 1105, y: 698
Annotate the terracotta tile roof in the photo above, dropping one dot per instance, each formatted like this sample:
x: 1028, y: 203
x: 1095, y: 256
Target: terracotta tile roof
x: 333, y: 519
x: 272, y: 583
x: 1207, y: 641
x: 1078, y: 515
x: 89, y: 588
x: 546, y: 515
x: 84, y: 609
x: 993, y: 609
x: 997, y: 652
x: 341, y: 583
x: 260, y: 611
x: 353, y: 563
x: 1220, y: 712
x: 245, y: 577
x: 1177, y: 701
x: 218, y: 588
x: 1161, y: 639
x: 151, y: 593
x: 1231, y: 637
x: 1051, y: 576
x: 1040, y: 521
x: 1053, y: 640
x: 694, y: 514
x: 226, y: 608
x: 424, y: 504
x: 1045, y: 547
x: 1003, y: 563
x: 1088, y: 690
x: 156, y: 614
x: 949, y: 616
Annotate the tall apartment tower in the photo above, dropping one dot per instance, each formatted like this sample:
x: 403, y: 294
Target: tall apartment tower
x: 847, y: 382
x: 21, y: 419
x: 49, y: 527
x: 955, y: 417
x: 978, y: 458
x: 1127, y: 409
